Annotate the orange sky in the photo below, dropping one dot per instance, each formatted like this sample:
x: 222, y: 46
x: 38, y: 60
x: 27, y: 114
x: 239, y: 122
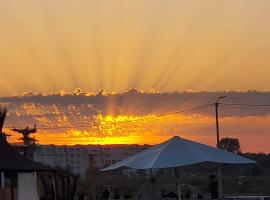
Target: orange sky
x: 150, y: 129
x: 195, y: 45
x: 167, y: 45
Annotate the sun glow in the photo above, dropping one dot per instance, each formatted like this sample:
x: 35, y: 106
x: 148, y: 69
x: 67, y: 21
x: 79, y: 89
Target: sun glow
x: 150, y: 129
x: 118, y: 129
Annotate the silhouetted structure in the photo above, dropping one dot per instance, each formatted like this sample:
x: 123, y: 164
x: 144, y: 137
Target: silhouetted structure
x: 3, y: 114
x: 28, y: 141
x: 12, y: 161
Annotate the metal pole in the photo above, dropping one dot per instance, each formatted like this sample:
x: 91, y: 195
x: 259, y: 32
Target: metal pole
x: 35, y: 176
x: 2, y: 180
x: 220, y: 187
x: 54, y: 183
x: 217, y: 123
x: 179, y: 186
x: 177, y: 174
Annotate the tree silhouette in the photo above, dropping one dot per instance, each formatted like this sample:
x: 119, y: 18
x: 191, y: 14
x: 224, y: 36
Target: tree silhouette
x: 230, y: 144
x: 3, y: 114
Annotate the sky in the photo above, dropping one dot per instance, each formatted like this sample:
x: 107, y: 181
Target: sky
x: 137, y: 117
x: 50, y: 48
x: 117, y: 45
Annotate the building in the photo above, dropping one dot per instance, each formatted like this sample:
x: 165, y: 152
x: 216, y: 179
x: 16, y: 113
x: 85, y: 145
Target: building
x: 17, y: 167
x: 79, y: 158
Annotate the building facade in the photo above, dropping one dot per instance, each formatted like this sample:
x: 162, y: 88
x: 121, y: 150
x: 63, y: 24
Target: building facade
x: 80, y: 158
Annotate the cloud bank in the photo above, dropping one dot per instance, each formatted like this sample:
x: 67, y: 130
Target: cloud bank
x: 81, y: 108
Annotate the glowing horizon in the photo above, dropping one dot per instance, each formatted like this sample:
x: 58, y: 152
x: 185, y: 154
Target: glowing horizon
x: 149, y: 129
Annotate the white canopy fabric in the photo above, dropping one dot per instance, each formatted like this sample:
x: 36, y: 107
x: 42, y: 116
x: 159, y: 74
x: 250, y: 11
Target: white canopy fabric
x: 27, y: 187
x: 177, y: 152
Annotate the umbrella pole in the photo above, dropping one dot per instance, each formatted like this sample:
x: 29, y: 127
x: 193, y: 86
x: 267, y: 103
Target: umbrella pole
x: 177, y: 173
x: 179, y: 188
x: 220, y: 187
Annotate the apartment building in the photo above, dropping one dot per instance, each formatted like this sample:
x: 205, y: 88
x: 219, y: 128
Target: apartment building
x: 79, y: 158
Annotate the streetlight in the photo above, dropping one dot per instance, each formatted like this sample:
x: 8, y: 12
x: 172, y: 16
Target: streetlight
x: 220, y: 191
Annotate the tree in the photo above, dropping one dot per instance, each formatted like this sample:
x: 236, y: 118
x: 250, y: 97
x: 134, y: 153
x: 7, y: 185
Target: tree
x: 64, y: 186
x: 3, y: 114
x: 230, y: 144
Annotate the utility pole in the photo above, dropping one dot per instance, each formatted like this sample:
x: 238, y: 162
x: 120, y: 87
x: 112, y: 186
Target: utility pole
x: 220, y: 187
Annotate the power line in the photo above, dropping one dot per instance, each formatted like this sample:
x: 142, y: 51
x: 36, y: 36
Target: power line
x: 150, y: 117
x: 247, y: 105
x: 186, y: 110
x: 164, y: 115
x: 60, y: 127
x: 123, y: 122
x: 67, y: 127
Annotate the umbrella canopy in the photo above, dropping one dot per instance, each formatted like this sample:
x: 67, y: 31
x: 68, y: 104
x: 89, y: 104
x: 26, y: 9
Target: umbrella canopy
x: 177, y: 152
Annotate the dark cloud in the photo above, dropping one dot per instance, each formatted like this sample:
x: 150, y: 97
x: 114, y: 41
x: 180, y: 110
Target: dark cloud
x: 135, y: 102
x: 63, y: 109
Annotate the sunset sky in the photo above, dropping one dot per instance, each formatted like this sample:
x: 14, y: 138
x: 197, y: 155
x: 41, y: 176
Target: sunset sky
x: 48, y: 49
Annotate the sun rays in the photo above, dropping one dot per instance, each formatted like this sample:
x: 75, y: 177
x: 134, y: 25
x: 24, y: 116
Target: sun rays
x: 151, y: 44
x: 112, y: 47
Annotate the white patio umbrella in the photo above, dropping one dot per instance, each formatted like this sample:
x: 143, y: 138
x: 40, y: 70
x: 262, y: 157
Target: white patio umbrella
x: 177, y: 152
